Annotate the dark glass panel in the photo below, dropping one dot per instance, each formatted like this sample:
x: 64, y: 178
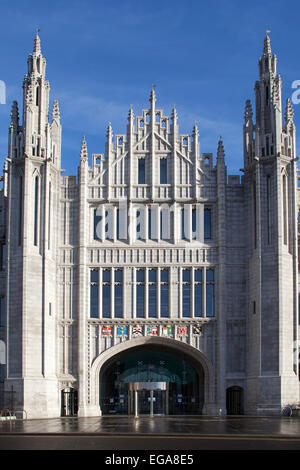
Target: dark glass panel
x: 164, y: 300
x: 118, y: 275
x: 118, y: 301
x: 106, y: 275
x: 141, y: 171
x: 152, y: 275
x: 198, y: 300
x: 163, y: 171
x: 140, y: 301
x: 186, y: 300
x: 106, y: 301
x: 94, y: 312
x: 186, y: 275
x: 209, y: 300
x: 140, y: 275
x: 152, y: 298
x: 207, y: 223
x: 198, y: 275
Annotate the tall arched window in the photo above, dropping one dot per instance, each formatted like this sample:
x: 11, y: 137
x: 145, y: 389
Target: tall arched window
x: 285, y: 209
x: 269, y: 220
x: 36, y: 211
x: 49, y: 215
x: 20, y: 208
x: 37, y: 96
x: 254, y: 214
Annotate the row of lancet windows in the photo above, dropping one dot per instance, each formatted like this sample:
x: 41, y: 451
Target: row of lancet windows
x: 163, y: 179
x: 37, y: 211
x: 151, y: 293
x: 163, y: 171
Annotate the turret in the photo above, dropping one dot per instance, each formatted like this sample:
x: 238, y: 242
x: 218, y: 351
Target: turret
x: 269, y: 182
x: 248, y: 135
x: 35, y: 103
x: 83, y: 151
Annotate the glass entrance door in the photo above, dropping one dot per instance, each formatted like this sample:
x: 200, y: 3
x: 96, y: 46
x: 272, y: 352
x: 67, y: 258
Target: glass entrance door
x: 151, y: 402
x: 69, y: 402
x: 148, y: 399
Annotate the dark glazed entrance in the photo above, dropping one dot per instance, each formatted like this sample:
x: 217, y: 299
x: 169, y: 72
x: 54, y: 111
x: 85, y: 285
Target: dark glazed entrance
x: 234, y: 401
x: 184, y: 379
x: 69, y: 402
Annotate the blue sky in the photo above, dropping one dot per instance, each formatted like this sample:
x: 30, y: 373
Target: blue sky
x: 103, y: 56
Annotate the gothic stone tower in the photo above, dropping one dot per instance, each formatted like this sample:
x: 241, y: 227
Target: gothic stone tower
x: 33, y: 176
x: 270, y: 201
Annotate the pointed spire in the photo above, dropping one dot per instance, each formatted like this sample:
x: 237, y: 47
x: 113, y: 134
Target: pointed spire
x: 109, y: 131
x: 248, y: 115
x: 55, y: 111
x: 289, y: 112
x: 152, y: 96
x: 220, y: 151
x: 267, y: 45
x: 83, y: 151
x: 37, y: 43
x: 14, y: 114
x: 130, y: 114
x: 195, y: 131
x: 174, y: 115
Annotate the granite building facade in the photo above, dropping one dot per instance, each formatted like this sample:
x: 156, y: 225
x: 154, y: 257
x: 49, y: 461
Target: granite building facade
x: 152, y: 282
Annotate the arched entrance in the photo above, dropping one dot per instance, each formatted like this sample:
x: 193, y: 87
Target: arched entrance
x: 151, y: 380
x: 193, y: 356
x: 68, y: 402
x: 234, y: 400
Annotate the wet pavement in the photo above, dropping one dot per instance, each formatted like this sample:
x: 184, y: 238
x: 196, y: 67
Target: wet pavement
x: 159, y: 425
x: 158, y: 432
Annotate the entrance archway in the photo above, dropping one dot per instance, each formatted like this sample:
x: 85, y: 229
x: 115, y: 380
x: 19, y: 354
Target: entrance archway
x: 150, y: 364
x: 193, y: 393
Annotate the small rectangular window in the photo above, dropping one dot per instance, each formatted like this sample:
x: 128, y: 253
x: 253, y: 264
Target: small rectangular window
x: 106, y: 297
x: 210, y: 293
x: 184, y: 223
x: 194, y: 221
x: 207, y: 224
x: 164, y: 224
x: 150, y: 224
x: 94, y: 293
x: 140, y: 293
x: 141, y: 171
x: 186, y: 293
x: 164, y: 293
x: 152, y: 293
x: 198, y: 292
x: 118, y: 293
x: 163, y: 171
